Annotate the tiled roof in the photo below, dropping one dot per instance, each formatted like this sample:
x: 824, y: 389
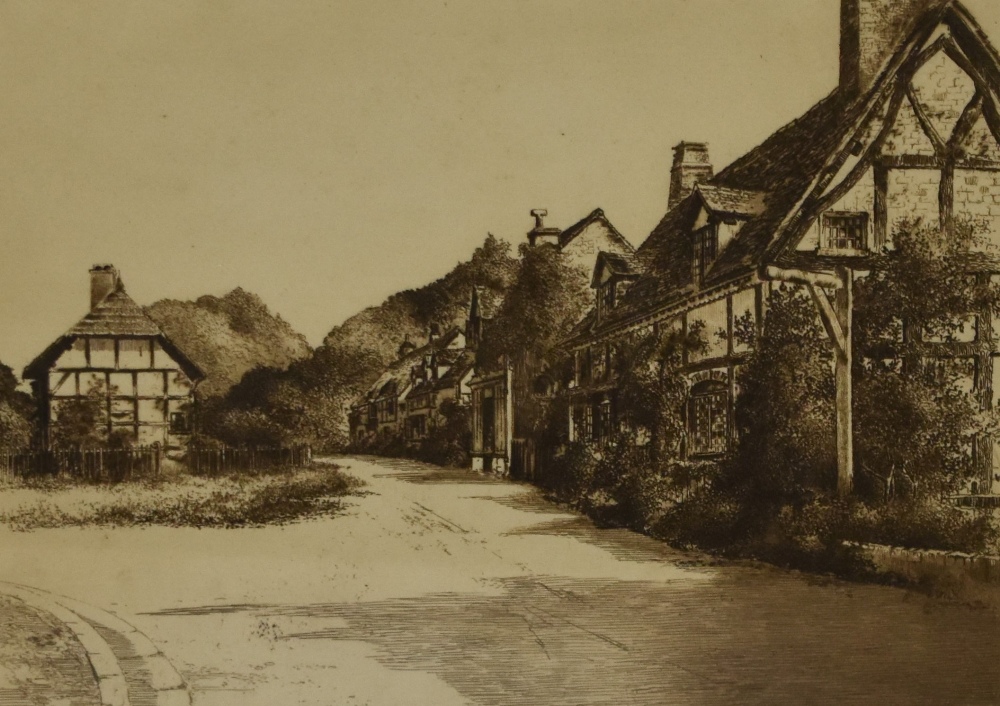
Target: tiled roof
x: 625, y: 264
x: 622, y: 263
x: 396, y: 379
x: 736, y: 202
x: 459, y: 367
x: 116, y: 316
x: 770, y: 186
x: 596, y: 215
x: 782, y: 168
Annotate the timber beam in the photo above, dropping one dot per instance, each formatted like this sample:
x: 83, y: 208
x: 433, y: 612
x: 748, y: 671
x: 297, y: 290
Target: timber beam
x: 837, y: 318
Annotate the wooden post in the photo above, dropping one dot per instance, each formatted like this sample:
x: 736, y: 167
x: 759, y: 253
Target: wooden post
x: 845, y: 405
x: 838, y: 321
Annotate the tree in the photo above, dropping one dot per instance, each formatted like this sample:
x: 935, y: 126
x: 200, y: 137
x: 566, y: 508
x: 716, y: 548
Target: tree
x: 16, y: 411
x: 81, y: 422
x: 548, y: 296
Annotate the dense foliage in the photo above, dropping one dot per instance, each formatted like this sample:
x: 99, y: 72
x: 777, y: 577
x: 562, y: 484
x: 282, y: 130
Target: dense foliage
x: 16, y: 412
x: 916, y: 301
x: 917, y: 418
x: 652, y: 390
x: 546, y: 298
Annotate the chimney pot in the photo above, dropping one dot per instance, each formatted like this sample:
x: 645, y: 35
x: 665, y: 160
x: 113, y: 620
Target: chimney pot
x: 103, y: 281
x: 692, y: 166
x: 541, y: 233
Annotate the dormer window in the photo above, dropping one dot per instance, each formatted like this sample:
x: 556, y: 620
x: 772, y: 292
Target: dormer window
x: 613, y: 273
x: 706, y: 249
x: 608, y: 295
x: 606, y: 298
x: 844, y: 232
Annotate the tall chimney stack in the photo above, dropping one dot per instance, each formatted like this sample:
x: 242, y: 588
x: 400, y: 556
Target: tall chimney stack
x: 870, y: 33
x: 103, y: 281
x: 692, y: 166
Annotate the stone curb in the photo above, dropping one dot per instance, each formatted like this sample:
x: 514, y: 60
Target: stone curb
x: 83, y: 619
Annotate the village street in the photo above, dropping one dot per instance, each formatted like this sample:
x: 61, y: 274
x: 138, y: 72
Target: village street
x: 446, y: 587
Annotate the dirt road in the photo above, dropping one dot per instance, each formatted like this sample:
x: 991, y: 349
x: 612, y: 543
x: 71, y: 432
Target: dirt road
x: 444, y: 587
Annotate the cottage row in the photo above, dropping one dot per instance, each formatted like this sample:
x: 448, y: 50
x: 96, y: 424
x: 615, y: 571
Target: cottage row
x: 911, y: 133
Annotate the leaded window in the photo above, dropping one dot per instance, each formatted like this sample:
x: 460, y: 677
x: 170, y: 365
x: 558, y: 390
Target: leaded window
x: 844, y: 231
x: 604, y: 429
x: 706, y: 249
x: 709, y: 418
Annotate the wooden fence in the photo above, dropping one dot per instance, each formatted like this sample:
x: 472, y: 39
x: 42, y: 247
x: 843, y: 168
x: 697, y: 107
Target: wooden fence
x: 214, y: 460
x: 112, y: 465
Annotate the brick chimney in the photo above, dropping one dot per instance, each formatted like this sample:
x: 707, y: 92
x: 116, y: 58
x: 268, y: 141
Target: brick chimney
x: 433, y: 332
x: 691, y: 167
x: 870, y: 33
x: 541, y: 233
x: 103, y: 281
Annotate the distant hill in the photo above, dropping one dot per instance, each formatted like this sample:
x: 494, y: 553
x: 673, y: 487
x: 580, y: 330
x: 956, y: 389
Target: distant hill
x: 229, y: 336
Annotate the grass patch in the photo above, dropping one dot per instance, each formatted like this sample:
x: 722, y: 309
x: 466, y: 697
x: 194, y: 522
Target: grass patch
x: 230, y: 501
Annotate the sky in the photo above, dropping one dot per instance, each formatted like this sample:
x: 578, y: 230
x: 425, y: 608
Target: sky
x: 327, y: 154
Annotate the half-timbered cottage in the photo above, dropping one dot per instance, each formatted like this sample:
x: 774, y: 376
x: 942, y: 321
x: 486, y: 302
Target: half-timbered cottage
x: 911, y: 133
x: 141, y: 384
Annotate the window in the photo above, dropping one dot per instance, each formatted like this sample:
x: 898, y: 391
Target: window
x: 844, y: 231
x: 583, y: 422
x: 708, y: 418
x: 958, y: 372
x: 599, y: 363
x: 706, y: 249
x: 179, y: 423
x: 418, y: 427
x: 607, y: 302
x: 604, y: 429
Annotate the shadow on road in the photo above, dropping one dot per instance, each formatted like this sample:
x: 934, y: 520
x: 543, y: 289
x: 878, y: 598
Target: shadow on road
x: 744, y: 636
x: 623, y: 544
x: 418, y: 472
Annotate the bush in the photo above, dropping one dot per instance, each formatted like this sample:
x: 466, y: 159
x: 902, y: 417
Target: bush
x: 921, y: 525
x: 816, y: 534
x: 450, y: 438
x: 570, y: 472
x: 235, y: 500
